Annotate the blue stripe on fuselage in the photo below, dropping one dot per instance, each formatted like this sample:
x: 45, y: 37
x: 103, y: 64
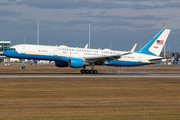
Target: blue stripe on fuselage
x: 14, y: 54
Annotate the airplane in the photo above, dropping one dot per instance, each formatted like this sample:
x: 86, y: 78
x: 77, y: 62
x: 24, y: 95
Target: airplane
x: 176, y: 57
x: 81, y: 57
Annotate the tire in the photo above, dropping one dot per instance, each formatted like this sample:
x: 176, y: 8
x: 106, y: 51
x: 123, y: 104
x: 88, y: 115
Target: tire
x: 90, y: 71
x: 23, y: 67
x: 82, y: 71
x: 86, y: 71
x: 95, y: 71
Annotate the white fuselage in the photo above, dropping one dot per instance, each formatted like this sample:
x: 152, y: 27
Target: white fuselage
x: 64, y: 51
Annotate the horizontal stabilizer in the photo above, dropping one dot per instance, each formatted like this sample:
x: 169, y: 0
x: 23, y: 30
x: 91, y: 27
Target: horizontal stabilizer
x: 160, y: 58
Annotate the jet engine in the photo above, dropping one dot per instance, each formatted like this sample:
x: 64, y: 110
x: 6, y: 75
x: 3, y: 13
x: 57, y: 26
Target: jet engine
x: 61, y: 64
x: 76, y: 63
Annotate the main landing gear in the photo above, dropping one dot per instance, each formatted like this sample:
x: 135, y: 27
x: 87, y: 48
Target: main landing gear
x: 84, y: 71
x: 92, y: 71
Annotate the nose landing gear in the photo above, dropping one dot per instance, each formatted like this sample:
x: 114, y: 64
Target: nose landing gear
x: 23, y: 67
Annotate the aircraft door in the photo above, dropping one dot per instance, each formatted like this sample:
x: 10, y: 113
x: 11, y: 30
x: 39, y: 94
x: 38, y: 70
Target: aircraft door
x: 23, y: 50
x: 56, y: 51
x: 140, y: 59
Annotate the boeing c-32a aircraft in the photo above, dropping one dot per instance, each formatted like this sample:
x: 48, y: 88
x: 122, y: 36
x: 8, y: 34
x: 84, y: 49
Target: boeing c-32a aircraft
x: 81, y: 57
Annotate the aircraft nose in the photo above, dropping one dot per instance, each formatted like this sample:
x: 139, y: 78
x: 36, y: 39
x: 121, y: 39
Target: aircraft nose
x: 6, y: 53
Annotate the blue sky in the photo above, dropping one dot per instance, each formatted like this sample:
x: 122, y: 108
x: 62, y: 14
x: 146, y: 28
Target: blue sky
x: 65, y: 22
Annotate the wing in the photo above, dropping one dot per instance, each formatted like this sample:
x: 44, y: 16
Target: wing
x: 102, y: 59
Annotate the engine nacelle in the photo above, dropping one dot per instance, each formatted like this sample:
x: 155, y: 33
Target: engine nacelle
x: 61, y: 64
x: 76, y: 63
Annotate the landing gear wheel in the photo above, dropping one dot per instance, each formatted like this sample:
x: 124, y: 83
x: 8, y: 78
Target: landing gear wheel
x: 95, y: 71
x: 23, y: 67
x: 86, y: 71
x: 82, y: 71
x: 90, y: 71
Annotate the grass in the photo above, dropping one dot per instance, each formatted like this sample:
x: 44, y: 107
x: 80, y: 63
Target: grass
x: 90, y: 98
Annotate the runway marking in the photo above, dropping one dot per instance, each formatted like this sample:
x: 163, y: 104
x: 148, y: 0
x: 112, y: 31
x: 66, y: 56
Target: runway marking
x: 67, y: 75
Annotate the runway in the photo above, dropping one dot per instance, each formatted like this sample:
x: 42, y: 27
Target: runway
x: 76, y: 75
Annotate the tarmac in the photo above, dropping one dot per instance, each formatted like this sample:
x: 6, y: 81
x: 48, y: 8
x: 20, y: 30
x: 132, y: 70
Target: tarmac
x: 77, y: 75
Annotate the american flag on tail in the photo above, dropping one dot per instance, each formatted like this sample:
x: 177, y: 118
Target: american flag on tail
x: 160, y: 42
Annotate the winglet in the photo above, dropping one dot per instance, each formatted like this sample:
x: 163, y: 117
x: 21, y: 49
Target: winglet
x: 133, y: 49
x: 86, y: 46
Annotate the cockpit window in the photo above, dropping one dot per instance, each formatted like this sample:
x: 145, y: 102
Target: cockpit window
x: 12, y: 49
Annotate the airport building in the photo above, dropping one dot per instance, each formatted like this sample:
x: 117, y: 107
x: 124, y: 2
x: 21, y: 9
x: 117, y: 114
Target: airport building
x: 4, y: 45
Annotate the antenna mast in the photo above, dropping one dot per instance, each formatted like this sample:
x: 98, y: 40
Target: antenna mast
x: 3, y: 35
x: 25, y: 31
x: 10, y: 32
x: 164, y: 24
x: 89, y: 23
x: 110, y: 45
x: 37, y: 32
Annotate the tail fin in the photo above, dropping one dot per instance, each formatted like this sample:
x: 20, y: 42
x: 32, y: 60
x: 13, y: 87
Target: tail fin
x: 155, y: 46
